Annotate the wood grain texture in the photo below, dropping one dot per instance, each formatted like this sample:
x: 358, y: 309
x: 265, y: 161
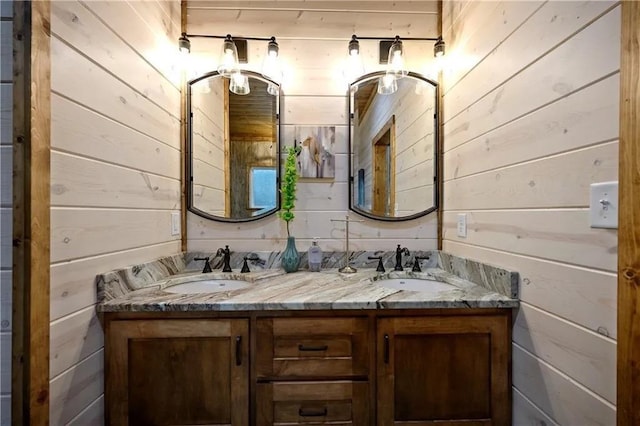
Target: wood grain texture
x: 215, y: 393
x: 628, y: 222
x: 526, y: 100
x: 554, y: 392
x: 115, y: 101
x: 417, y: 384
x: 31, y: 244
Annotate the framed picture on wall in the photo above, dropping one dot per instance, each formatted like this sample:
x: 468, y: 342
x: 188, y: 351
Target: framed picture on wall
x: 316, y: 159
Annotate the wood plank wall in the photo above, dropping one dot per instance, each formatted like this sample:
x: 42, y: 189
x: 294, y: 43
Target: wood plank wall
x: 531, y: 94
x: 115, y: 173
x: 313, y: 38
x: 6, y: 159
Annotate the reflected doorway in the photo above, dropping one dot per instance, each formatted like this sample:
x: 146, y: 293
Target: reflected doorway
x: 384, y: 169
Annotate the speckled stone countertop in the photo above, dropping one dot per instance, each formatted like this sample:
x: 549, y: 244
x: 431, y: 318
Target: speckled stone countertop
x: 140, y: 288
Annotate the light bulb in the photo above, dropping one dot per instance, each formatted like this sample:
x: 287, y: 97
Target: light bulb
x: 396, y: 59
x: 228, y: 58
x: 354, y: 66
x: 239, y: 84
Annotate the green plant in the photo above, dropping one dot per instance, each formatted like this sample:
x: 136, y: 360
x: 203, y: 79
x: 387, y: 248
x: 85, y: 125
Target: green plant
x: 288, y: 187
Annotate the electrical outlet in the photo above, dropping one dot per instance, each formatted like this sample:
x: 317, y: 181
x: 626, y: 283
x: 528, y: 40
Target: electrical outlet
x: 175, y: 223
x: 603, y: 205
x: 462, y: 225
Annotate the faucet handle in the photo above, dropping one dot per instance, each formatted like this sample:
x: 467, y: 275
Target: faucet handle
x: 380, y: 267
x: 245, y: 266
x: 207, y: 265
x: 416, y: 263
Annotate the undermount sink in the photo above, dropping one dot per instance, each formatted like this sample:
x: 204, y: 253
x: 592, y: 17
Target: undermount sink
x: 207, y: 286
x: 415, y: 284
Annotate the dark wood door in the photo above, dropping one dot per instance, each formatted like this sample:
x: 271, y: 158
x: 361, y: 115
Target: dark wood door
x: 178, y: 372
x: 444, y: 370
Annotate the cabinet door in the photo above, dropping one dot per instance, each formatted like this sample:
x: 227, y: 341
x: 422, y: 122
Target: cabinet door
x: 449, y: 370
x: 177, y: 372
x: 319, y: 403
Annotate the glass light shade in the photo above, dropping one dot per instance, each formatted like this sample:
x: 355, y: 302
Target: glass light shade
x: 271, y: 67
x: 387, y: 84
x: 354, y: 66
x: 184, y: 45
x: 239, y: 84
x: 396, y: 59
x: 228, y: 64
x: 273, y: 90
x: 438, y: 48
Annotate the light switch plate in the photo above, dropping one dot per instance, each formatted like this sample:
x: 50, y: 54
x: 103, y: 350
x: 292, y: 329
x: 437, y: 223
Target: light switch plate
x: 603, y: 205
x: 462, y: 225
x: 175, y: 223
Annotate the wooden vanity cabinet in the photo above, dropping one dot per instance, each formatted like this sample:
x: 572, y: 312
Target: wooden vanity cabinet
x: 177, y: 372
x: 449, y: 370
x: 419, y: 367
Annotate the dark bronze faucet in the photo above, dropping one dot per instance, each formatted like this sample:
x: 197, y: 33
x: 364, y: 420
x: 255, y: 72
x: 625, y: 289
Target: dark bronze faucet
x: 207, y: 265
x: 416, y: 263
x: 380, y: 267
x: 399, y: 252
x: 226, y: 253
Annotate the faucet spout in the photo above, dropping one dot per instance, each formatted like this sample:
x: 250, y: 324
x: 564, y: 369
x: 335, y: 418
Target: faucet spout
x: 226, y: 257
x: 399, y: 252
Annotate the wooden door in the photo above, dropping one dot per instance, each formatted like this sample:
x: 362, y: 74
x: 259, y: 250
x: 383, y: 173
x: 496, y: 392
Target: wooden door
x: 177, y: 372
x: 444, y: 370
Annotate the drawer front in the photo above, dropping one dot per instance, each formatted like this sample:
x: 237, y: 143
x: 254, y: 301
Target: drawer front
x: 312, y: 348
x: 299, y: 403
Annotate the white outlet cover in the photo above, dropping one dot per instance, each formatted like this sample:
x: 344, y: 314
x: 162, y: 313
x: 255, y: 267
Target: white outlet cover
x: 462, y: 225
x: 175, y: 223
x: 603, y: 205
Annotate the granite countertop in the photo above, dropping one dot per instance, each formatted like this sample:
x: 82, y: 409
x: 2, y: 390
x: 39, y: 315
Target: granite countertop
x: 141, y: 288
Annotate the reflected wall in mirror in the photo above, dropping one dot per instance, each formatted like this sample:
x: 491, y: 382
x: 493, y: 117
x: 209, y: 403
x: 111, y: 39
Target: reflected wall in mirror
x: 232, y: 157
x: 393, y: 140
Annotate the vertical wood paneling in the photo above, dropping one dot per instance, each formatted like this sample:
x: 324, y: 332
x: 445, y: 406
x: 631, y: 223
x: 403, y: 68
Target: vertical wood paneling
x: 115, y: 174
x: 31, y: 221
x: 6, y: 192
x: 629, y: 245
x: 531, y: 121
x: 313, y: 39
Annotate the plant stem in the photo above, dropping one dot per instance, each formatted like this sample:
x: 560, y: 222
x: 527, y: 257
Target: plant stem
x: 288, y: 234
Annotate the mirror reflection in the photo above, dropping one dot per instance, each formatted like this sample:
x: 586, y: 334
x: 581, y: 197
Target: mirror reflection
x: 233, y: 147
x: 393, y: 146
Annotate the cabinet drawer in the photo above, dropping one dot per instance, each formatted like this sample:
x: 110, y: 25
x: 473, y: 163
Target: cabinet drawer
x: 312, y: 347
x: 299, y: 403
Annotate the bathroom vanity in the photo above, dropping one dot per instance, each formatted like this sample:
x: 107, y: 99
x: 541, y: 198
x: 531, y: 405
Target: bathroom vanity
x: 322, y: 348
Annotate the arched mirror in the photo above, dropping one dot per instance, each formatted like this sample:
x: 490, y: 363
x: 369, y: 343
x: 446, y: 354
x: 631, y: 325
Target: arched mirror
x: 233, y: 147
x: 393, y: 143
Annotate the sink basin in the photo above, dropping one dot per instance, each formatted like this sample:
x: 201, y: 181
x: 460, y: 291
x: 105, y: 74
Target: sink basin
x: 415, y: 284
x: 207, y: 286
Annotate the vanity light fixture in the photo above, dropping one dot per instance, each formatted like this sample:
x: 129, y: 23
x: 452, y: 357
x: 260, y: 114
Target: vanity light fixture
x: 234, y: 52
x: 184, y: 45
x: 354, y: 67
x: 271, y: 66
x: 438, y: 48
x: 396, y: 59
x: 228, y: 58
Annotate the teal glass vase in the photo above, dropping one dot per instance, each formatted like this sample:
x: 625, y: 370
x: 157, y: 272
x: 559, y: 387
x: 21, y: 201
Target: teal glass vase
x: 290, y: 257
